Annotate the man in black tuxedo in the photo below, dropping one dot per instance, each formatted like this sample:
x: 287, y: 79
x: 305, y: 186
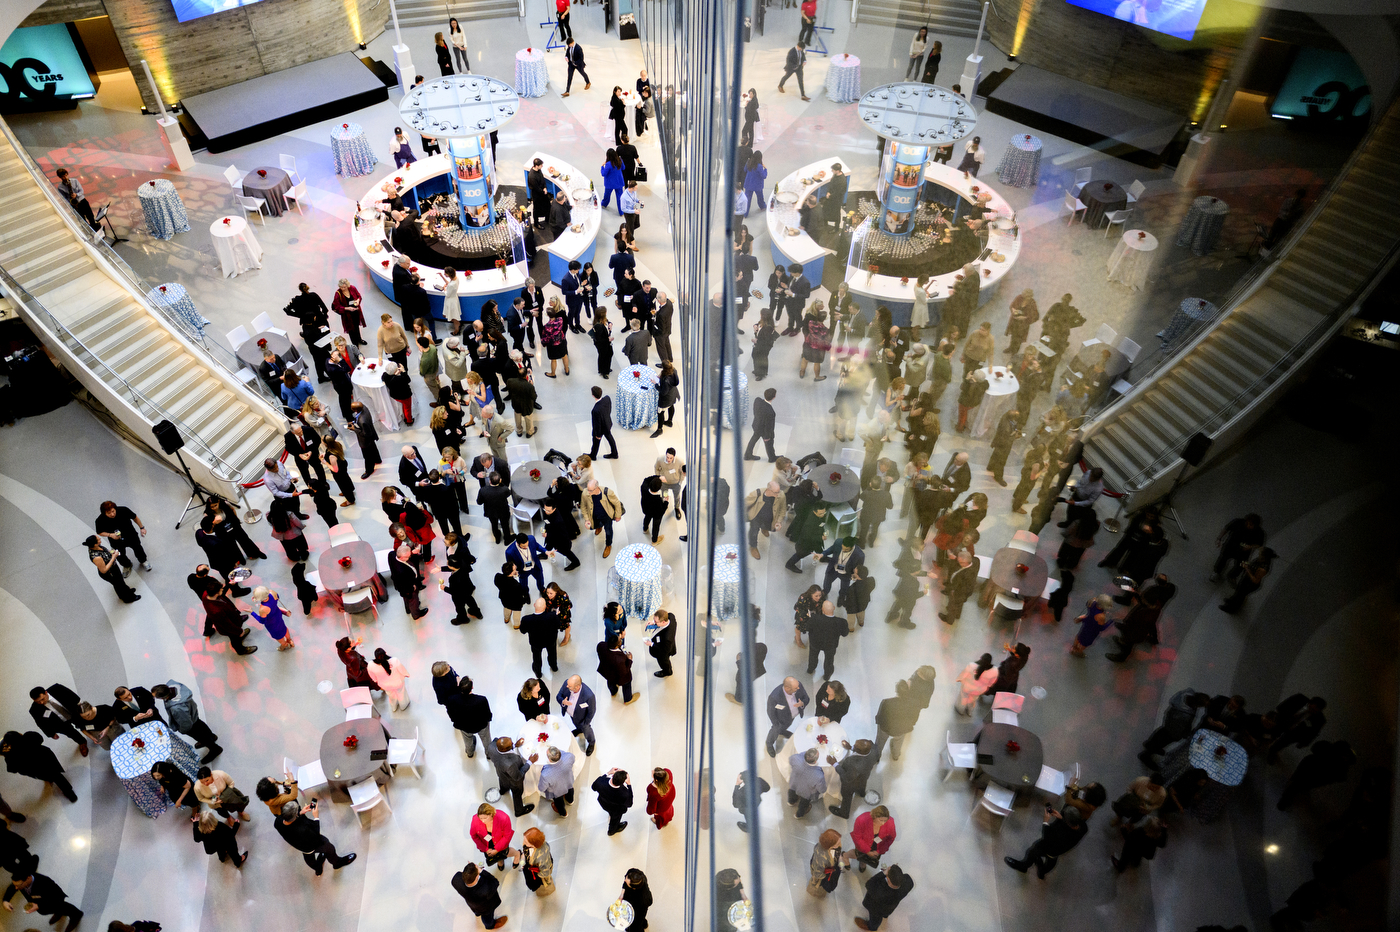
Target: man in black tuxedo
x: 408, y: 580
x: 745, y: 267
x: 663, y: 642
x: 796, y: 58
x: 303, y: 445
x: 958, y: 474
x: 539, y: 192
x: 573, y: 54
x: 602, y: 423
x: 661, y: 322
x: 785, y: 704
x: 799, y: 290
x: 413, y: 470
x: 135, y: 706
x: 615, y: 797
x: 52, y: 724
x: 764, y: 422
x: 962, y: 582
x: 361, y: 424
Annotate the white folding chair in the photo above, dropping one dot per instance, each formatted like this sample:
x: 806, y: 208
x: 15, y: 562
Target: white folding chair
x: 365, y: 796
x: 1117, y: 218
x: 1135, y: 191
x: 234, y: 178
x: 517, y: 454
x: 381, y: 561
x: 357, y: 601
x: 1051, y: 584
x: 309, y: 776
x: 998, y: 800
x: 1006, y: 606
x: 1012, y: 701
x: 1054, y: 781
x: 264, y: 323
x: 1005, y: 717
x: 1024, y: 536
x: 357, y: 712
x: 356, y: 695
x: 851, y: 456
x: 1024, y: 546
x: 1129, y: 349
x: 246, y: 375
x: 984, y: 567
x: 253, y: 203
x: 1081, y: 178
x: 525, y: 511
x: 1106, y: 334
x: 296, y: 192
x: 958, y: 756
x: 1074, y: 205
x: 343, y: 533
x: 288, y: 163
x: 238, y: 336
x: 406, y: 751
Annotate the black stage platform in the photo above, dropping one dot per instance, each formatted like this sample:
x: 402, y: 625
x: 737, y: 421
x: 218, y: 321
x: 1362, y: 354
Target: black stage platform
x: 276, y: 103
x: 1091, y: 116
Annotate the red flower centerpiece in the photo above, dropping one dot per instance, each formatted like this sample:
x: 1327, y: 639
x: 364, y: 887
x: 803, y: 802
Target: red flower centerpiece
x: 543, y: 737
x: 1012, y: 747
x: 228, y: 220
x: 822, y: 739
x: 835, y: 478
x: 535, y: 475
x: 373, y: 365
x: 1022, y: 568
x: 345, y: 126
x: 529, y: 51
x: 351, y: 742
x: 262, y: 172
x: 262, y: 343
x: 398, y: 179
x: 153, y: 184
x: 385, y: 263
x: 637, y: 555
x: 904, y: 279
x: 1220, y: 751
x: 162, y: 289
x: 1142, y: 234
x: 345, y: 562
x: 139, y: 744
x: 731, y: 556
x: 636, y: 374
x: 468, y: 273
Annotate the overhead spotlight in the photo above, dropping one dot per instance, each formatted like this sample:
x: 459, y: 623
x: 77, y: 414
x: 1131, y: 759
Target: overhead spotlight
x: 362, y: 46
x: 1011, y: 58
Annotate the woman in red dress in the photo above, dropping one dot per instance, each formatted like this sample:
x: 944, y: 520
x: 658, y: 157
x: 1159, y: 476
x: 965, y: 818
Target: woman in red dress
x: 661, y: 797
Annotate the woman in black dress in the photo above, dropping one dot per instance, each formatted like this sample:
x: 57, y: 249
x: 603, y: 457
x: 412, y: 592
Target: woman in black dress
x: 217, y: 838
x: 444, y: 54
x: 809, y: 606
x: 935, y: 56
x: 617, y: 112
x: 601, y: 332
x: 654, y: 505
x: 750, y: 118
x: 764, y: 336
x: 512, y: 593
x: 831, y: 701
x: 588, y: 288
x: 667, y: 394
x: 636, y: 891
x: 533, y: 700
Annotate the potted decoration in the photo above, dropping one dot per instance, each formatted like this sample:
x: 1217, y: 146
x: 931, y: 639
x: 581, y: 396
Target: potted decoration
x: 262, y: 172
x: 345, y: 562
x: 351, y: 742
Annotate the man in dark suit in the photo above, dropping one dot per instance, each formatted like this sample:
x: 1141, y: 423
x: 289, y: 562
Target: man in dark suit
x: 1059, y: 833
x: 481, y: 891
x: 39, y: 891
x: 1008, y: 431
x: 300, y: 827
x: 573, y: 54
x: 834, y: 197
x: 824, y: 634
x: 534, y: 307
x: 758, y: 653
x: 957, y: 474
x: 510, y: 772
x: 764, y: 423
x: 620, y: 263
x: 407, y: 580
x: 413, y: 470
x: 663, y: 641
x: 840, y: 558
x: 135, y: 706
x: 270, y: 370
x: 494, y: 499
x: 602, y: 423
x: 636, y: 345
x: 854, y: 772
x: 799, y: 290
x: 52, y: 724
x: 526, y: 553
x: 785, y: 704
x: 615, y: 796
x: 959, y: 587
x: 662, y: 320
x: 407, y: 293
x: 573, y: 300
x: 303, y: 445
x: 539, y: 192
x: 471, y: 715
x: 560, y: 215
x: 577, y: 703
x: 361, y: 424
x: 796, y: 58
x: 745, y: 267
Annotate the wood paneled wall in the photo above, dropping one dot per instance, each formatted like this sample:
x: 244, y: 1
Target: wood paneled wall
x: 64, y: 11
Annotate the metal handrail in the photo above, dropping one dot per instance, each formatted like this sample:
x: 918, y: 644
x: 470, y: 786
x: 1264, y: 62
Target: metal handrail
x: 1253, y: 389
x: 221, y: 468
x: 218, y: 354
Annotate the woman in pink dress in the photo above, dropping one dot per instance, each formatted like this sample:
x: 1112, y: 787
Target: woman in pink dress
x: 975, y: 679
x: 389, y: 674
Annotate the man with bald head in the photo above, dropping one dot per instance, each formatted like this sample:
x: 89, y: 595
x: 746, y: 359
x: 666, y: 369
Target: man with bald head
x: 407, y: 580
x: 824, y: 633
x: 577, y: 703
x: 785, y: 704
x: 807, y: 784
x: 765, y: 509
x: 413, y: 470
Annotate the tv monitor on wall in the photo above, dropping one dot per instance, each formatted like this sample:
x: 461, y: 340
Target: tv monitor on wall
x: 1173, y: 17
x: 186, y: 10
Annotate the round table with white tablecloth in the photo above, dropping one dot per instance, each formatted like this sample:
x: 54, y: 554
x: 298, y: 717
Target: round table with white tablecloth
x: 132, y: 764
x: 269, y: 184
x: 531, y: 75
x: 1189, y: 313
x: 1001, y: 388
x: 807, y: 734
x: 174, y: 298
x: 557, y: 735
x: 235, y: 245
x: 1203, y: 224
x: 724, y: 598
x: 1132, y: 259
x: 638, y: 579
x: 165, y: 212
x: 1020, y: 163
x: 727, y: 398
x: 353, y: 155
x: 843, y: 79
x: 635, y: 404
x: 368, y: 383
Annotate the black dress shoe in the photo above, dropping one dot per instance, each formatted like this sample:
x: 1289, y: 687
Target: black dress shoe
x: 348, y: 859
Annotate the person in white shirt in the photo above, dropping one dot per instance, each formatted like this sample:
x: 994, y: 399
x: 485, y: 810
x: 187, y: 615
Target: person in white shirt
x: 631, y: 205
x: 459, y: 46
x: 669, y: 468
x: 451, y: 307
x: 72, y: 189
x: 916, y: 52
x: 973, y: 157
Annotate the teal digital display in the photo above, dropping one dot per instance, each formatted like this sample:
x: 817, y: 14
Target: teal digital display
x: 40, y: 65
x: 1323, y: 86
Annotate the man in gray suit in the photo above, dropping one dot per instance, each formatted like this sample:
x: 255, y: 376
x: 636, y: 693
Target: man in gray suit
x: 510, y: 770
x: 808, y: 781
x: 557, y: 780
x: 854, y: 772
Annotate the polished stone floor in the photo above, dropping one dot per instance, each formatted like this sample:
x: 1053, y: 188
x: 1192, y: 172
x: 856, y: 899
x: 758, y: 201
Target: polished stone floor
x: 1333, y: 639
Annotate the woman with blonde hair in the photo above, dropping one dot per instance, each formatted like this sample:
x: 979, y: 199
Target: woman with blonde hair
x: 661, y: 797
x: 1097, y: 618
x: 454, y: 469
x: 444, y: 56
x: 217, y: 838
x: 478, y: 397
x: 347, y: 303
x: 270, y: 615
x: 391, y: 340
x: 333, y: 455
x: 555, y: 336
x: 389, y: 675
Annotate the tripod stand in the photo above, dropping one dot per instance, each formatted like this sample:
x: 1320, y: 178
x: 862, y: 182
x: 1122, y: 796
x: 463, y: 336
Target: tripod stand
x: 1165, y: 506
x: 196, y: 492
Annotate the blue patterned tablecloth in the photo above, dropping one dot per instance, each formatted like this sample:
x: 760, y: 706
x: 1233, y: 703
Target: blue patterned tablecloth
x: 1190, y: 312
x: 531, y: 76
x: 174, y: 298
x: 353, y: 155
x: 843, y: 79
x: 724, y: 602
x: 636, y: 397
x: 1203, y: 223
x: 638, y: 581
x: 1020, y: 163
x: 1227, y: 770
x: 132, y: 765
x: 165, y: 212
x: 726, y: 410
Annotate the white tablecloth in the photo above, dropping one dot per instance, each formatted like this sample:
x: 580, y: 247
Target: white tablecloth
x: 724, y: 602
x: 235, y: 245
x: 369, y: 389
x: 165, y: 212
x: 531, y: 75
x: 1020, y: 163
x: 560, y: 736
x: 843, y: 79
x: 804, y: 737
x: 727, y: 399
x: 353, y: 155
x: 635, y: 404
x: 1132, y: 259
x: 997, y: 402
x: 638, y: 580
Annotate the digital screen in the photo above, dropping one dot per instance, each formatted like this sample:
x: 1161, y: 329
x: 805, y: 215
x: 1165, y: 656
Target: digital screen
x: 186, y: 10
x: 1173, y: 17
x: 39, y: 65
x: 1323, y: 85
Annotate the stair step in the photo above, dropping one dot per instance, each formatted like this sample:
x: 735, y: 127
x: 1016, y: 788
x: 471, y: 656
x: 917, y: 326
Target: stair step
x: 1248, y: 328
x: 76, y: 266
x: 1124, y: 462
x: 1216, y: 389
x: 247, y: 457
x: 133, y: 334
x: 169, y: 362
x: 166, y: 394
x: 1151, y: 432
x: 1239, y: 352
x: 232, y: 436
x: 1194, y: 405
x: 18, y: 246
x: 1127, y: 440
x: 1171, y: 415
x: 194, y: 407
